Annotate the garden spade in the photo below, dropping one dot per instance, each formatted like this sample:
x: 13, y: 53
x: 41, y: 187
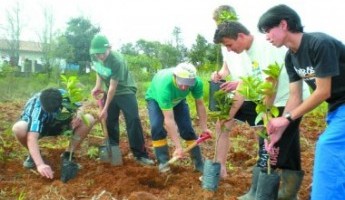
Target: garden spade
x: 107, y: 152
x: 204, y: 136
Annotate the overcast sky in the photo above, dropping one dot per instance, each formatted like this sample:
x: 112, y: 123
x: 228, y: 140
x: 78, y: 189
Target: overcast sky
x: 129, y: 20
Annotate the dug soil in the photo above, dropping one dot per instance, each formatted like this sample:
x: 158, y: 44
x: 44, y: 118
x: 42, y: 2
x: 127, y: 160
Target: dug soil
x: 101, y: 181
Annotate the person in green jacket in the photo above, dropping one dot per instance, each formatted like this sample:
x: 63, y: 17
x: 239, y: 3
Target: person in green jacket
x: 169, y: 112
x: 112, y: 71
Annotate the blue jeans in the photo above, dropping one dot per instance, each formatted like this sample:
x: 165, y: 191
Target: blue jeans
x: 182, y: 119
x: 329, y: 163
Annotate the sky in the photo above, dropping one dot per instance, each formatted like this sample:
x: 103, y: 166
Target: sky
x: 124, y: 21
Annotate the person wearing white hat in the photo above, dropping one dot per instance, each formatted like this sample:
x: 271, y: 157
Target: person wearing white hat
x: 169, y: 112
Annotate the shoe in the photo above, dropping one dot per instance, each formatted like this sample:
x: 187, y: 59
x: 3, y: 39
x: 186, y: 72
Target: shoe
x: 200, y: 178
x: 163, y: 168
x: 145, y: 161
x: 29, y: 163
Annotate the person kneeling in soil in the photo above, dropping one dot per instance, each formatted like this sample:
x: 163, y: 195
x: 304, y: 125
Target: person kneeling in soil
x: 39, y: 119
x: 169, y: 112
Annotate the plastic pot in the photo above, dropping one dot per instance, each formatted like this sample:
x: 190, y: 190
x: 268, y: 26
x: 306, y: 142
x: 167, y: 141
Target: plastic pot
x: 213, y: 87
x: 268, y: 186
x: 211, y: 175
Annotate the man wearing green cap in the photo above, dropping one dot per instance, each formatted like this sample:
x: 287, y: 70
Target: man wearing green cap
x: 169, y: 112
x: 112, y: 71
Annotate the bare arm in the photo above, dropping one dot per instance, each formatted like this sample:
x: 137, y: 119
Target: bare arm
x: 201, y: 110
x: 111, y: 93
x: 98, y: 86
x: 277, y: 126
x: 295, y: 96
x: 221, y: 74
x: 171, y: 127
x: 44, y: 169
x: 321, y: 93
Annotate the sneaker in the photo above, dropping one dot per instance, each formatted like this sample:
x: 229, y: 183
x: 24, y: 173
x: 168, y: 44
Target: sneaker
x: 163, y: 168
x: 29, y: 163
x: 145, y: 161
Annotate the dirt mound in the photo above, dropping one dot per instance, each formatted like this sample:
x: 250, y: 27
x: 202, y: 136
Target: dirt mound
x: 101, y: 181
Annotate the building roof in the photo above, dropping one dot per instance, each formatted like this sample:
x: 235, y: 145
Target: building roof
x: 23, y: 46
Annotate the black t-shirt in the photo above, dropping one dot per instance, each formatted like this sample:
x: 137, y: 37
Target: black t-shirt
x: 319, y: 55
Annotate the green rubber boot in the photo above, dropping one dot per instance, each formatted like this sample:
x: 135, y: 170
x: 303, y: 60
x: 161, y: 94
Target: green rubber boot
x: 162, y: 155
x: 250, y: 195
x: 290, y: 184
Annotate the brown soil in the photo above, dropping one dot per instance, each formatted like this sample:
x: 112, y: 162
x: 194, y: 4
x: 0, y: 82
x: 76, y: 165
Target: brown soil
x: 101, y: 181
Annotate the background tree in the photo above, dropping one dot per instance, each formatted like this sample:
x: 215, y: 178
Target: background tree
x: 181, y: 48
x: 46, y: 39
x: 79, y: 34
x: 62, y: 49
x: 13, y: 30
x: 198, y: 52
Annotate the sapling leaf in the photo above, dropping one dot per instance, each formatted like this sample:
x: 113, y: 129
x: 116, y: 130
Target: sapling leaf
x: 85, y: 120
x: 263, y: 134
x: 274, y: 111
x: 259, y: 118
x: 63, y: 116
x: 260, y: 108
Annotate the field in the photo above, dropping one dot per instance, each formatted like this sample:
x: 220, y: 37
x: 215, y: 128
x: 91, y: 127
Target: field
x: 102, y: 181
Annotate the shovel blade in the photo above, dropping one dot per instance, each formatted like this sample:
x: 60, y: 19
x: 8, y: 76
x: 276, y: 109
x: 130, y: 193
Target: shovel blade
x: 104, y: 154
x: 116, y: 156
x: 110, y: 154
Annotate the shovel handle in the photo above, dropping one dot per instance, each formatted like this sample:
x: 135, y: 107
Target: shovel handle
x: 100, y: 101
x: 204, y: 136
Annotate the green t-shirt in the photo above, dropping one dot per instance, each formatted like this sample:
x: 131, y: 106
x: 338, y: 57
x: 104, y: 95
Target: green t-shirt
x: 115, y: 67
x: 164, y: 90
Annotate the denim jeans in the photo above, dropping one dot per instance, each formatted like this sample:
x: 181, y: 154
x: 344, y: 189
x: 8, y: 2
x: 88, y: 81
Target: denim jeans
x: 182, y: 119
x: 329, y: 163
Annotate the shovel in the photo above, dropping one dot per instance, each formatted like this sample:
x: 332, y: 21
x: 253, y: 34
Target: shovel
x: 204, y: 136
x: 107, y: 152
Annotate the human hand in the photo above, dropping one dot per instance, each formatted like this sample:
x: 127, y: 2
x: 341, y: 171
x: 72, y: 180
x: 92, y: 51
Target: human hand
x: 103, y: 114
x: 178, y: 152
x: 76, y: 122
x: 275, y: 130
x: 224, y: 125
x: 45, y: 170
x: 215, y: 76
x: 229, y: 86
x: 96, y: 92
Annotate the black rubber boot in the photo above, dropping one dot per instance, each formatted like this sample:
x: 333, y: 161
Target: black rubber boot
x: 251, y: 194
x: 195, y: 155
x: 162, y: 155
x: 290, y: 184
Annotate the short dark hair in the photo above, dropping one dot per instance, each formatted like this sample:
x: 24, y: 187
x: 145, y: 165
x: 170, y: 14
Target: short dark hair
x: 272, y: 18
x: 229, y: 29
x: 51, y: 99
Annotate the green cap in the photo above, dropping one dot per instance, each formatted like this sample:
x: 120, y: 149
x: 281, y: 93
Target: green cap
x: 99, y: 44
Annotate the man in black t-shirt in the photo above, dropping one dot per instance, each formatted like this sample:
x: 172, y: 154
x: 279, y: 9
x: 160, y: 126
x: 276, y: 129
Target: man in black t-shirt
x: 319, y: 60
